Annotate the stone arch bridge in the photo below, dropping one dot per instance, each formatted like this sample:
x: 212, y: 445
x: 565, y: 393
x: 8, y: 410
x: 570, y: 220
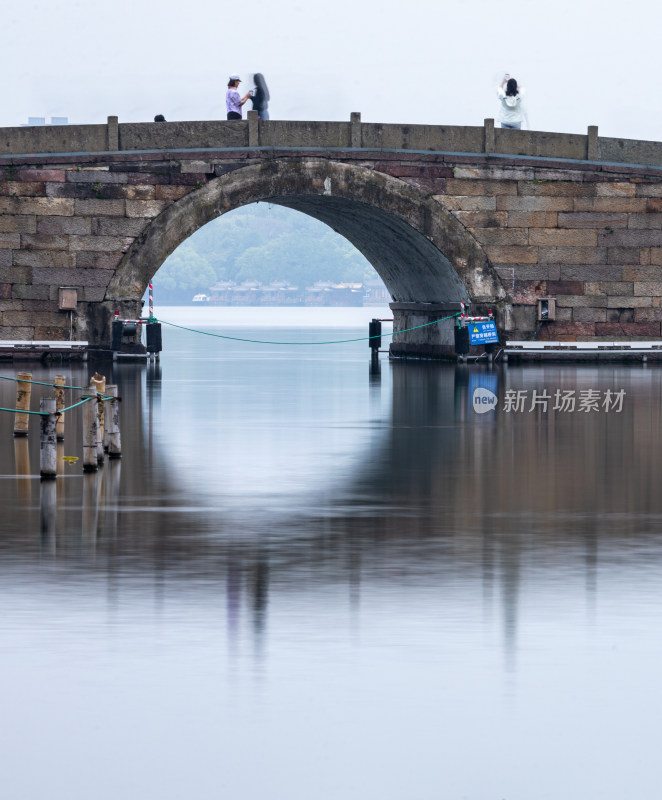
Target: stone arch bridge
x: 500, y: 218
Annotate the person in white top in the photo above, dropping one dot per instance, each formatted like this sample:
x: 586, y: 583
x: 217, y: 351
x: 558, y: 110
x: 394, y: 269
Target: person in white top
x: 512, y: 113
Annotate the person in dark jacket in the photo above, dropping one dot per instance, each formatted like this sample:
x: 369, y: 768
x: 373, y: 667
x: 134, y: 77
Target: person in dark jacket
x: 260, y: 96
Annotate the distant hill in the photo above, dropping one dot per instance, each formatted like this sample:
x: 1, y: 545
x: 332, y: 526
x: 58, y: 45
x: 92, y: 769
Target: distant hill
x: 259, y: 242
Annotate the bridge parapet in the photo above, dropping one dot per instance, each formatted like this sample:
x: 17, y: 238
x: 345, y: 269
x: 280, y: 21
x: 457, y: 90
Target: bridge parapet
x: 28, y: 143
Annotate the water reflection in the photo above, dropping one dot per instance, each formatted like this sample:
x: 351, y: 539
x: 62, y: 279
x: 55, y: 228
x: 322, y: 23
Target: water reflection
x: 384, y: 558
x: 48, y: 515
x: 112, y: 475
x: 22, y: 468
x: 425, y: 467
x: 90, y: 515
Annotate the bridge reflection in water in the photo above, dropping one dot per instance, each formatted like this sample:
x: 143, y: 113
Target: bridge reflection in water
x: 431, y: 490
x: 369, y: 539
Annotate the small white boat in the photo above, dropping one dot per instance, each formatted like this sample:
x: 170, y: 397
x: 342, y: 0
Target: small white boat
x: 201, y: 298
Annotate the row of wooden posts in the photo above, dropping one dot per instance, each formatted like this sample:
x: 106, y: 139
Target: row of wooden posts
x: 101, y: 429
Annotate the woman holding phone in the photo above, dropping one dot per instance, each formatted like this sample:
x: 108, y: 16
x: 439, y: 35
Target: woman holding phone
x: 512, y: 113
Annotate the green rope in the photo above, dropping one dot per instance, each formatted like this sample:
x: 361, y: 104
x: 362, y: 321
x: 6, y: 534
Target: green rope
x: 101, y: 397
x: 45, y: 413
x: 84, y: 400
x: 39, y: 383
x: 20, y: 411
x: 335, y: 341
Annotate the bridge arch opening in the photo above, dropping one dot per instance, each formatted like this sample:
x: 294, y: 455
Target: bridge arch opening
x: 266, y: 252
x: 422, y: 253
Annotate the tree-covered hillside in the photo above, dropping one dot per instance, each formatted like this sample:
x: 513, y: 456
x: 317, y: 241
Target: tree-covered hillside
x: 260, y: 242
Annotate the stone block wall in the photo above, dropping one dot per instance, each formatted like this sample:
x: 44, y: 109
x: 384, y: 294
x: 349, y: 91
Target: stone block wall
x: 70, y: 225
x: 588, y: 235
x: 591, y: 239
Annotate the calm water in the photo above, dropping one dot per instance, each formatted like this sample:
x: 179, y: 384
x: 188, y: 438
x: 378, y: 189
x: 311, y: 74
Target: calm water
x: 305, y: 579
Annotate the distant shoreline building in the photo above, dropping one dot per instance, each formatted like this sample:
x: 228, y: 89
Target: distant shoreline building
x: 36, y: 121
x: 281, y: 293
x: 376, y: 293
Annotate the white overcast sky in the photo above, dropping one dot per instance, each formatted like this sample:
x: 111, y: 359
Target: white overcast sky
x: 582, y: 62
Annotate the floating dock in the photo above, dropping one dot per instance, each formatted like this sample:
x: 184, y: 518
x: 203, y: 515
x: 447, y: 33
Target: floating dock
x: 582, y: 351
x: 40, y: 350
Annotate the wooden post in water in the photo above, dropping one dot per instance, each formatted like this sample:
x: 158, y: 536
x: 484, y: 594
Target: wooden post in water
x: 114, y: 438
x: 90, y: 430
x: 59, y: 383
x: 47, y: 440
x: 108, y: 418
x: 23, y: 395
x: 108, y: 427
x: 99, y: 383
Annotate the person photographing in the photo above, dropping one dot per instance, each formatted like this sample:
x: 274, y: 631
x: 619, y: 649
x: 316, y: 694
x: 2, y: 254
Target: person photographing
x: 233, y: 100
x: 512, y: 113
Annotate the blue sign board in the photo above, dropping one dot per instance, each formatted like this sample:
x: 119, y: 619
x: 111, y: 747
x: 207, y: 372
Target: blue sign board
x: 482, y: 332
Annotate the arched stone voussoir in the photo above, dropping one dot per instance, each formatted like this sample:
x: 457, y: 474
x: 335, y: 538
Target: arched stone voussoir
x: 419, y: 249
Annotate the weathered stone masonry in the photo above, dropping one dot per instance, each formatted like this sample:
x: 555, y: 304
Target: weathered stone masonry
x: 591, y: 239
x: 514, y: 226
